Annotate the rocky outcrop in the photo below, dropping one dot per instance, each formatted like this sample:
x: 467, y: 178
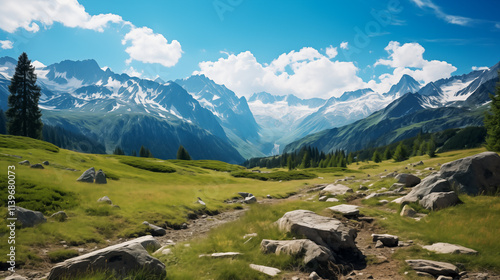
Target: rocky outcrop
x: 121, y: 259
x: 433, y: 267
x: 312, y: 253
x: 439, y: 200
x: 29, y: 218
x: 324, y: 231
x: 430, y: 184
x: 386, y: 239
x: 88, y: 176
x: 447, y: 248
x: 408, y: 180
x: 335, y: 189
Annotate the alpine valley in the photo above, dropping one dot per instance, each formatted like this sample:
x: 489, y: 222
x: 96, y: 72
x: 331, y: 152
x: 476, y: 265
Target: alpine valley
x: 212, y: 122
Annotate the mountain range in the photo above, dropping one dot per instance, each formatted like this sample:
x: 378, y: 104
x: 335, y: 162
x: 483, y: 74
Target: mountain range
x: 212, y: 122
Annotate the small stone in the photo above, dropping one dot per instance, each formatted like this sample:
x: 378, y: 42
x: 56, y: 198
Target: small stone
x: 16, y: 277
x: 220, y: 255
x: 314, y: 276
x: 24, y: 162
x: 45, y: 163
x: 387, y: 239
x: 250, y: 199
x: 271, y: 271
x: 379, y: 244
x: 37, y: 166
x: 332, y: 199
x: 323, y: 198
x: 104, y: 199
x: 407, y: 211
x: 384, y: 201
x: 363, y: 188
x: 269, y: 196
x: 60, y: 216
x: 442, y: 277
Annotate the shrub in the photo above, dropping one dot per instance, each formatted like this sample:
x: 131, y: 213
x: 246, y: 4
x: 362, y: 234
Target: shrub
x: 147, y: 164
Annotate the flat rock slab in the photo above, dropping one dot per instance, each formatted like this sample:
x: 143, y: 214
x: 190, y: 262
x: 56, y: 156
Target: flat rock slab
x: 332, y: 199
x: 121, y: 258
x: 346, y: 209
x: 386, y: 239
x: 447, y: 248
x: 335, y: 189
x: 221, y: 255
x: 271, y: 271
x: 324, y: 231
x: 433, y: 267
x: 312, y: 253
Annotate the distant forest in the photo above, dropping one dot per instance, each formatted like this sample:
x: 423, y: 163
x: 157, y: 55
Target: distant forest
x: 423, y: 143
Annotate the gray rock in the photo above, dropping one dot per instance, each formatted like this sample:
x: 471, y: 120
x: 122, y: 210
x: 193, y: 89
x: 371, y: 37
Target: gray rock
x: 269, y: 196
x: 314, y: 276
x: 250, y: 199
x: 387, y: 239
x: 37, y: 166
x: 45, y: 163
x: 88, y: 176
x: 312, y: 253
x: 433, y: 267
x: 379, y: 244
x: 335, y: 189
x: 408, y: 180
x: 407, y: 211
x: 29, y: 218
x: 396, y: 186
x: 444, y: 278
x: 332, y: 199
x: 439, y: 200
x: 271, y: 271
x: 100, y: 177
x: 60, y: 216
x: 245, y: 194
x: 429, y: 184
x: 324, y: 231
x: 120, y: 258
x: 156, y: 230
x: 447, y: 248
x: 105, y: 199
x: 201, y: 202
x: 475, y: 174
x: 372, y: 195
x: 363, y: 188
x: 346, y: 210
x: 323, y: 198
x: 221, y: 255
x: 24, y: 162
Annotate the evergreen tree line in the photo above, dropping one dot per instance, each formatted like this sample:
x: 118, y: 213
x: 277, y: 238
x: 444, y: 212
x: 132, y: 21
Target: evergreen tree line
x: 72, y: 141
x: 306, y: 157
x: 182, y: 153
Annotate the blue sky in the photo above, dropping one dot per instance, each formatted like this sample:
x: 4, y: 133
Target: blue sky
x: 252, y: 45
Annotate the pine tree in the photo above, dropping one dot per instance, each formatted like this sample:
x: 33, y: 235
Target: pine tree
x: 306, y: 160
x: 431, y: 148
x: 376, y: 157
x: 3, y: 122
x: 24, y: 117
x: 492, y: 122
x: 183, y: 154
x: 118, y: 151
x: 143, y: 152
x: 387, y: 153
x: 401, y: 153
x: 134, y: 153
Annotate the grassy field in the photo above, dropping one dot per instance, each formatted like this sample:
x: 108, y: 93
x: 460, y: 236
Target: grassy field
x: 166, y: 191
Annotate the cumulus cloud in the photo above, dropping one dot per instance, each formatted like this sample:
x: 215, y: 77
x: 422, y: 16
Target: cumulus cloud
x: 148, y: 47
x: 305, y: 73
x: 145, y: 45
x: 344, y: 45
x: 6, y: 44
x: 331, y: 52
x: 476, y: 68
x: 408, y: 59
x: 133, y: 72
x: 70, y: 13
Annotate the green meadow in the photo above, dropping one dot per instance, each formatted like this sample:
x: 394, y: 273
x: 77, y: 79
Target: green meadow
x: 165, y: 192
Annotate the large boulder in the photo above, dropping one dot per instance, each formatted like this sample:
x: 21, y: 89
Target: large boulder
x: 439, y: 200
x: 430, y: 184
x: 475, y: 174
x: 433, y: 267
x: 312, y: 253
x: 324, y: 231
x: 408, y: 180
x: 88, y: 176
x: 100, y: 177
x: 447, y: 248
x: 121, y: 258
x: 29, y: 218
x: 335, y: 189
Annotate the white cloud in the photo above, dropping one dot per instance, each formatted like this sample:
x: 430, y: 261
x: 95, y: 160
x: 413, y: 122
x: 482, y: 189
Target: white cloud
x: 133, y: 73
x: 70, y: 13
x: 497, y: 25
x: 408, y: 59
x: 458, y: 20
x: 309, y: 74
x: 331, y: 52
x: 6, y: 44
x: 148, y: 47
x: 344, y: 45
x: 476, y: 68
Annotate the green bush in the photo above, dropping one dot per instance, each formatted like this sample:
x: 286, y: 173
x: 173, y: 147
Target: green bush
x: 147, y: 164
x: 274, y: 176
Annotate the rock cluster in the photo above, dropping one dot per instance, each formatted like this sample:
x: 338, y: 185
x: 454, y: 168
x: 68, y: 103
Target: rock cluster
x: 91, y: 176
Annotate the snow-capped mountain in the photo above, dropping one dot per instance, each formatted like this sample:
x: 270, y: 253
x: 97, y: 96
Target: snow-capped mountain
x: 232, y: 112
x: 406, y: 84
x: 74, y: 90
